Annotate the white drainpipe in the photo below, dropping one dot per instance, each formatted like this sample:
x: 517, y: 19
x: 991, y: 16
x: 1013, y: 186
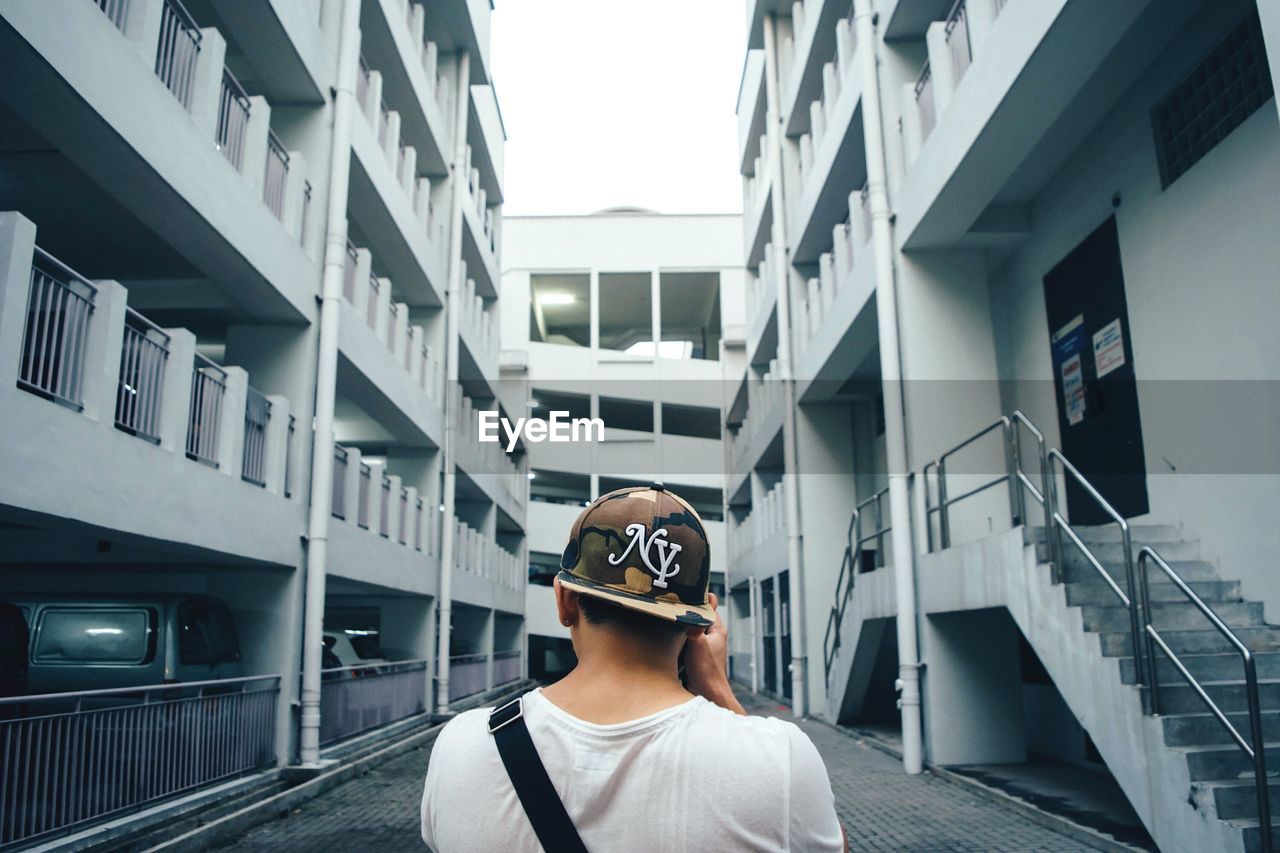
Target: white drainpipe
x: 335, y: 257
x: 891, y: 380
x: 795, y: 541
x: 444, y: 615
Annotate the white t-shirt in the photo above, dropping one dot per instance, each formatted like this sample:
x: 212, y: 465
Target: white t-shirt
x: 693, y: 777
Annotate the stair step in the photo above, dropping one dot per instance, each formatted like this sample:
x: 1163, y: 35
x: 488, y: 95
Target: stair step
x: 1113, y: 552
x: 1174, y: 616
x: 1146, y: 534
x: 1228, y: 762
x: 1227, y: 695
x: 1203, y: 729
x: 1237, y: 798
x: 1212, y: 592
x: 1219, y: 667
x: 1188, y: 570
x: 1208, y: 641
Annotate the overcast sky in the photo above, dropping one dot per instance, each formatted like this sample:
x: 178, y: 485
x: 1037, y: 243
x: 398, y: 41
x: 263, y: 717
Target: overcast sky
x: 617, y: 102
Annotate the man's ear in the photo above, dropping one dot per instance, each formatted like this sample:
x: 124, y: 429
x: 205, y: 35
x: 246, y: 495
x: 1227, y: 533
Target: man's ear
x: 566, y: 604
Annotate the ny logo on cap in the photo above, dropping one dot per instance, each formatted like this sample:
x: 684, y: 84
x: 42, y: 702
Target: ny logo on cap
x: 666, y: 552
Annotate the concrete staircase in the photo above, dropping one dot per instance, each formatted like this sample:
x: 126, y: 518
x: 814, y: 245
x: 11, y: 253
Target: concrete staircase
x: 1221, y: 774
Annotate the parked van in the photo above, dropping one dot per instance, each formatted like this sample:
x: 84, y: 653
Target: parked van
x: 94, y: 643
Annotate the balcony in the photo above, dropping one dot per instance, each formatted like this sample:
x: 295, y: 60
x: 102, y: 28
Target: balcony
x: 116, y: 411
x: 756, y: 441
x: 485, y: 573
x: 816, y: 40
x: 762, y: 305
x: 393, y: 204
x: 143, y: 128
x: 388, y: 527
x: 1011, y: 88
x: 386, y: 364
x: 757, y: 202
x: 751, y: 111
x: 503, y: 481
x: 758, y: 543
x: 478, y: 328
x: 480, y: 238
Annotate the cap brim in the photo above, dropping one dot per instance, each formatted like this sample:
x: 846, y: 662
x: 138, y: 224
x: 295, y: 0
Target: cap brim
x: 693, y: 615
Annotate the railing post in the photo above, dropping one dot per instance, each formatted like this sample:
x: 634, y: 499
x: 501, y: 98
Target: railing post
x: 277, y: 440
x: 1260, y: 780
x: 1153, y: 678
x: 351, y: 486
x: 255, y: 143
x: 944, y: 524
x: 382, y: 311
x: 1013, y: 461
x: 374, y: 511
x: 940, y: 67
x: 1050, y: 508
x: 102, y: 351
x: 393, y: 509
x: 231, y: 429
x: 17, y: 251
x: 360, y: 291
x: 294, y: 184
x: 175, y: 394
x: 1135, y: 606
x: 399, y: 332
x: 206, y: 85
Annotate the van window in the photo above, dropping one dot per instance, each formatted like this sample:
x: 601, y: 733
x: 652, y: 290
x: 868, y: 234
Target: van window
x: 84, y: 635
x: 206, y: 633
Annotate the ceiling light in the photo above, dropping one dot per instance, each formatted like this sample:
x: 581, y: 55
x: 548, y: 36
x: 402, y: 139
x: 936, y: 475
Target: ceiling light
x: 556, y: 299
x: 532, y: 475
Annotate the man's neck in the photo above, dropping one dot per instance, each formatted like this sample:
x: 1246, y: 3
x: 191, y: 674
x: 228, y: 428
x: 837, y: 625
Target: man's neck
x: 616, y: 682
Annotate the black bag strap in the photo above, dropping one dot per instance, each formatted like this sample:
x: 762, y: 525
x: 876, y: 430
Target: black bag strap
x: 551, y: 823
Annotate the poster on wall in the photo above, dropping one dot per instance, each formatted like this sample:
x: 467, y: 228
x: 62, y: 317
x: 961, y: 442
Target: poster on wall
x: 1108, y: 348
x: 1068, y: 343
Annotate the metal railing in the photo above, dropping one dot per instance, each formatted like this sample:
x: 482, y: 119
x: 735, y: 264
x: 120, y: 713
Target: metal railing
x: 277, y: 174
x: 1254, y: 748
x: 944, y: 501
x: 849, y: 567
x: 116, y: 10
x: 338, y: 501
x: 957, y: 36
x: 355, y: 699
x: 467, y: 675
x: 506, y: 667
x: 204, y: 421
x: 925, y: 102
x: 67, y: 759
x: 143, y: 353
x: 233, y: 119
x: 257, y: 413
x: 177, y: 50
x: 59, y: 306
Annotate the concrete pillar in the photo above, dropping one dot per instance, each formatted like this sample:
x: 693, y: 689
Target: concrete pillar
x: 375, y: 497
x: 974, y: 685
x: 422, y: 204
x: 393, y: 509
x: 382, y: 310
x: 910, y: 123
x: 412, y: 533
x: 398, y: 333
x: 175, y: 396
x: 102, y: 351
x: 418, y: 371
x: 206, y: 87
x: 351, y: 487
x: 360, y: 292
x: 142, y: 27
x: 277, y: 439
x: 17, y: 247
x: 254, y: 164
x: 373, y: 108
x: 486, y: 641
x: 417, y: 22
x: 407, y: 170
x: 294, y: 182
x: 941, y: 68
x: 980, y: 15
x: 231, y: 429
x: 391, y: 139
x: 845, y: 46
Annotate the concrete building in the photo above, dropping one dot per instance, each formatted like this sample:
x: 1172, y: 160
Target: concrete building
x: 1010, y: 320
x: 628, y: 316
x: 249, y: 266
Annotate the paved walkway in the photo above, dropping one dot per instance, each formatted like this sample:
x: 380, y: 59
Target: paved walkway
x: 880, y: 807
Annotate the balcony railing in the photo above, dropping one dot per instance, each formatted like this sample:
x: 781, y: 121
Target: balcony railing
x: 356, y: 699
x: 277, y: 174
x: 506, y: 667
x: 957, y: 32
x: 177, y: 50
x: 144, y: 351
x: 59, y: 306
x: 233, y: 119
x: 68, y: 759
x: 924, y: 102
x: 257, y: 413
x: 477, y: 554
x: 208, y: 387
x: 468, y: 675
x: 338, y: 501
x: 116, y: 10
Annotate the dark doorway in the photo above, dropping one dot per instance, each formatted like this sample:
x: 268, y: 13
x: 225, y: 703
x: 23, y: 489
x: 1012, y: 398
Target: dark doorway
x: 1094, y: 378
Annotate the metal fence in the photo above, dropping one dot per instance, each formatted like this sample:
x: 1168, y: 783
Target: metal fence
x: 67, y: 759
x: 355, y: 699
x: 59, y: 305
x: 276, y: 176
x: 257, y: 413
x: 208, y: 387
x: 177, y: 50
x: 143, y: 354
x: 233, y: 120
x: 467, y: 675
x: 116, y: 10
x: 506, y: 667
x: 338, y: 501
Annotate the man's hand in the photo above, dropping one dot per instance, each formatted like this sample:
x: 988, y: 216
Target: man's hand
x: 706, y: 663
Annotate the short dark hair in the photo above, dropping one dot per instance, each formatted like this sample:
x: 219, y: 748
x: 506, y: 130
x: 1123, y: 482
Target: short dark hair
x: 597, y: 611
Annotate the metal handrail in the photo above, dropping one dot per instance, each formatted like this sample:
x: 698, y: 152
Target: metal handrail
x: 130, y: 691
x: 1257, y: 751
x: 854, y: 541
x: 945, y: 502
x: 385, y: 668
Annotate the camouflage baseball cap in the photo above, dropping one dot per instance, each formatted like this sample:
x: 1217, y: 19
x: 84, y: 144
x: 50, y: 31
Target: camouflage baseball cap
x: 643, y: 548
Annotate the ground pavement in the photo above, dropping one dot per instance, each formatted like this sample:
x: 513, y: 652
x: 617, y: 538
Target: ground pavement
x: 880, y: 807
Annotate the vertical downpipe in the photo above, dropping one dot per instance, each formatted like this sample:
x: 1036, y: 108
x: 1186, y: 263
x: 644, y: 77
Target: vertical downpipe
x: 894, y: 403
x: 444, y: 617
x: 795, y: 540
x: 335, y: 254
